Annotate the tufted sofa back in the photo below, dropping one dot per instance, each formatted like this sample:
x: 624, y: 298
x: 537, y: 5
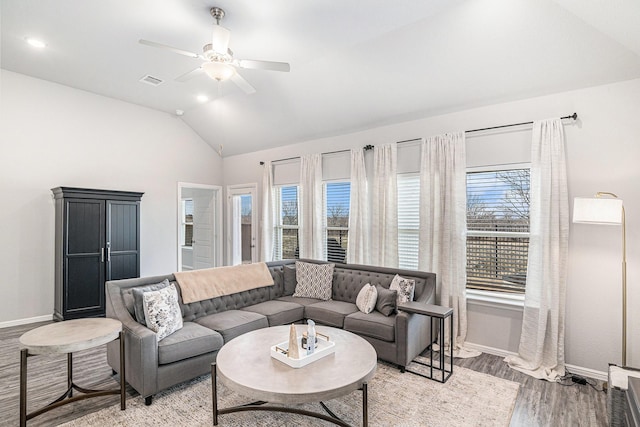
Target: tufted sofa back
x: 198, y: 309
x: 348, y: 279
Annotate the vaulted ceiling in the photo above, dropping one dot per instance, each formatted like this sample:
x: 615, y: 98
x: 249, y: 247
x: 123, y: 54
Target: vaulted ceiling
x: 355, y: 64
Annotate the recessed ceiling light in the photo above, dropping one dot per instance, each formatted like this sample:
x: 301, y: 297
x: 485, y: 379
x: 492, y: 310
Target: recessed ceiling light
x: 36, y: 43
x: 202, y: 98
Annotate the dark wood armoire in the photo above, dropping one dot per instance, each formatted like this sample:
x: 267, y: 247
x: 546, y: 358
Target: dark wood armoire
x: 97, y: 238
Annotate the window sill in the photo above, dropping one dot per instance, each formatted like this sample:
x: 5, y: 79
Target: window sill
x: 190, y: 248
x: 496, y: 299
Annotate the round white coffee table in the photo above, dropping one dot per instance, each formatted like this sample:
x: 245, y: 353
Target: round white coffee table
x: 68, y: 337
x: 245, y: 365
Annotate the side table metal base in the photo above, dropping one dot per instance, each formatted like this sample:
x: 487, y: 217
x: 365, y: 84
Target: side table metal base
x: 68, y: 397
x: 440, y: 313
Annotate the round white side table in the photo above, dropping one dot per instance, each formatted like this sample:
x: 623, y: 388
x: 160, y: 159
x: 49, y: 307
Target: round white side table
x: 68, y: 337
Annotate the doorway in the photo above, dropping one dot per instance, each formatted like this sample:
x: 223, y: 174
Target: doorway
x: 242, y: 224
x: 199, y: 226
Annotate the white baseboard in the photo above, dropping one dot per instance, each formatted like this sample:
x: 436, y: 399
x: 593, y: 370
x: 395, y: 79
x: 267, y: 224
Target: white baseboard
x: 26, y: 321
x: 578, y: 370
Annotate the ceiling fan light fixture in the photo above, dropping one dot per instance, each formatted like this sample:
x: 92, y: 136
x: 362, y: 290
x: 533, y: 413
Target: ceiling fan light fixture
x: 218, y: 70
x: 220, y: 39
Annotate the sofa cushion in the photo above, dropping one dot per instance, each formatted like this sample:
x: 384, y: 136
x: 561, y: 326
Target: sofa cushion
x: 405, y: 288
x: 387, y: 300
x: 135, y: 295
x: 314, y: 280
x: 366, y: 300
x: 233, y: 323
x: 278, y: 312
x: 192, y: 340
x: 374, y: 325
x: 331, y: 313
x: 162, y: 311
x: 299, y: 300
x: 289, y: 272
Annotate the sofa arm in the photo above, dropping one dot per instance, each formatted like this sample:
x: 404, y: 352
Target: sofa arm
x: 413, y: 335
x: 141, y: 346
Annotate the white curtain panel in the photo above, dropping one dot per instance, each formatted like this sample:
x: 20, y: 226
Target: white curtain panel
x: 443, y: 228
x: 358, y: 243
x: 268, y: 214
x: 541, y: 350
x: 384, y: 211
x: 311, y: 235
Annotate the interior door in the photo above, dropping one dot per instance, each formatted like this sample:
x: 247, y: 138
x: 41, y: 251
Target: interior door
x: 203, y: 229
x: 242, y: 229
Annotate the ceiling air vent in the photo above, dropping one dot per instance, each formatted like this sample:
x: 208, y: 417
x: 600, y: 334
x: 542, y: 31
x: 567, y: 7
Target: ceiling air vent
x: 150, y: 80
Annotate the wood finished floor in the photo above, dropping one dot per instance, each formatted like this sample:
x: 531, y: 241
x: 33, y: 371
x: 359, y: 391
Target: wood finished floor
x: 539, y: 403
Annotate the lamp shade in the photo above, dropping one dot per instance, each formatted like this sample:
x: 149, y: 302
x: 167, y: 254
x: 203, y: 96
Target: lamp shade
x: 218, y: 70
x: 597, y: 210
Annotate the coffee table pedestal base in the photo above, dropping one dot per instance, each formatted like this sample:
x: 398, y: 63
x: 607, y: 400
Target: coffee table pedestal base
x: 263, y: 406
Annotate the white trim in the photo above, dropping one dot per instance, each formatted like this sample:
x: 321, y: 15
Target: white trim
x: 490, y: 350
x: 578, y: 370
x: 587, y: 372
x: 504, y: 300
x: 28, y: 320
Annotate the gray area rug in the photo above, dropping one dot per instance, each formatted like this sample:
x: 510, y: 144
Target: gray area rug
x: 469, y: 398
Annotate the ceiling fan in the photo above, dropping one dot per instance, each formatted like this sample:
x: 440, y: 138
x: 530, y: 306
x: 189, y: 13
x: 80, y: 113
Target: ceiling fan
x: 219, y: 61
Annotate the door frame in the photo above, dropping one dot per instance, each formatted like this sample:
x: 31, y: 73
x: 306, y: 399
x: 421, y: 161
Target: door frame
x: 237, y: 190
x: 217, y: 220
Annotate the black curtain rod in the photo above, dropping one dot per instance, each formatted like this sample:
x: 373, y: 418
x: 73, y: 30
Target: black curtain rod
x: 297, y: 157
x: 573, y: 116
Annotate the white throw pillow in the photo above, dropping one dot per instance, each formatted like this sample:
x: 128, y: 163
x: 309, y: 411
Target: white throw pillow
x: 366, y: 299
x: 162, y: 311
x: 405, y: 287
x: 314, y: 280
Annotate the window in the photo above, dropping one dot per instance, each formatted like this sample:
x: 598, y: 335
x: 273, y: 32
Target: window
x: 337, y: 206
x: 408, y: 220
x: 286, y: 228
x: 187, y: 222
x: 498, y: 229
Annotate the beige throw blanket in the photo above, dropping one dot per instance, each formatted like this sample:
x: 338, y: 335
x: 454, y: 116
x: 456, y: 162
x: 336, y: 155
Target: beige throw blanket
x: 198, y: 285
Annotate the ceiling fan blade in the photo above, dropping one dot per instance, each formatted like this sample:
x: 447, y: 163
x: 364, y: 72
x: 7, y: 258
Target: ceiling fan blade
x: 243, y: 84
x: 170, y: 48
x: 263, y: 65
x: 189, y: 75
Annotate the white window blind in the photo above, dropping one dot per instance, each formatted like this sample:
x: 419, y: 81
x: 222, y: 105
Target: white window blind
x: 285, y: 239
x: 497, y: 229
x: 337, y: 207
x: 408, y: 220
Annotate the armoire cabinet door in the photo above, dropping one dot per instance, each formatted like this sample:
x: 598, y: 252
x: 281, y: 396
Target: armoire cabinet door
x: 123, y: 240
x: 84, y: 248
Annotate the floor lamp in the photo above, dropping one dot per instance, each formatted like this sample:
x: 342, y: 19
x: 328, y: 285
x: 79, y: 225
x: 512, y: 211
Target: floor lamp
x: 607, y: 208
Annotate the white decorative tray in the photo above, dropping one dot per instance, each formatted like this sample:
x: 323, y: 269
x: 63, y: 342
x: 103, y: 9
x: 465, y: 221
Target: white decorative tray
x: 323, y: 348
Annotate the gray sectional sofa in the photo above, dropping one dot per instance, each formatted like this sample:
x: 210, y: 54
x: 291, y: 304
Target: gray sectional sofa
x: 153, y: 366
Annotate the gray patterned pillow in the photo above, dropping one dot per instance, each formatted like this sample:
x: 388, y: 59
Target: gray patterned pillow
x: 366, y: 299
x: 405, y: 287
x: 162, y: 311
x: 314, y: 280
x: 138, y: 305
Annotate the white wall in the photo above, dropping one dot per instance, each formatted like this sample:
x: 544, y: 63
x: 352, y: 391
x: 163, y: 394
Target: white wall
x: 603, y: 149
x: 53, y: 135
